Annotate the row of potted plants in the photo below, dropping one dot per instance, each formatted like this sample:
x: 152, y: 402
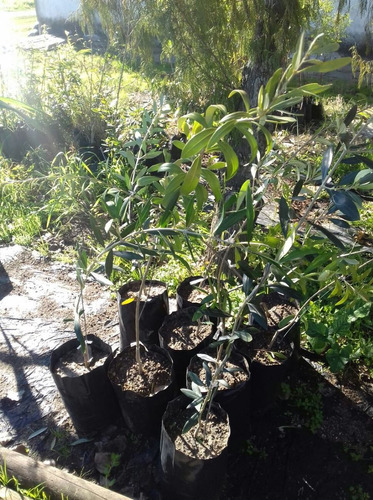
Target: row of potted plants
x: 218, y: 380
x: 228, y: 361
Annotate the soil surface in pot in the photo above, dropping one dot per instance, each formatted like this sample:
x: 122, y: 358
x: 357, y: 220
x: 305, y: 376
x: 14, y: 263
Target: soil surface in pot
x: 195, y: 291
x: 211, y: 439
x: 71, y: 364
x: 149, y: 291
x: 258, y: 348
x: 180, y: 333
x: 276, y: 309
x: 156, y: 372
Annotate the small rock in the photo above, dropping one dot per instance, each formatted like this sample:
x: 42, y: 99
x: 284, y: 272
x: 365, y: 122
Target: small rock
x: 102, y: 461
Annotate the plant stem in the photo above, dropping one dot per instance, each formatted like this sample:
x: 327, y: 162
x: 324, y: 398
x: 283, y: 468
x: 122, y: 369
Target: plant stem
x: 137, y: 316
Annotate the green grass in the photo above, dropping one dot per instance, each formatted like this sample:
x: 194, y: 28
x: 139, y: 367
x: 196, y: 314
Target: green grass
x: 16, y: 5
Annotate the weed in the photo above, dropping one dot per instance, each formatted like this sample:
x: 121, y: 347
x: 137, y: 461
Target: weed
x: 308, y: 405
x: 357, y: 493
x: 114, y: 462
x: 60, y: 443
x: 249, y: 448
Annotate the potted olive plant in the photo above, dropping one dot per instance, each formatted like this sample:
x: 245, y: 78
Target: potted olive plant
x: 142, y: 377
x: 78, y: 368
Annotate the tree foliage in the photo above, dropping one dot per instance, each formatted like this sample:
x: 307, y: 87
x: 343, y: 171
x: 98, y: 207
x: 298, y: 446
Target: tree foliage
x: 211, y: 41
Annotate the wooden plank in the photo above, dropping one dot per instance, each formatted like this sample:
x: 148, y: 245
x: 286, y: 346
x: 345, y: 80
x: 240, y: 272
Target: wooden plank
x: 30, y: 473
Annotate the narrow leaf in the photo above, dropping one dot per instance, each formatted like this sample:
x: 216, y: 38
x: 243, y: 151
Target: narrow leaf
x: 244, y: 96
x: 230, y: 157
x: 213, y: 182
x: 230, y: 220
x: 38, y: 432
x: 101, y: 279
x: 350, y: 115
x: 284, y: 216
x: 221, y: 132
x: 192, y: 177
x: 336, y: 241
x: 326, y: 66
x: 326, y: 162
x: 197, y: 143
x: 109, y: 263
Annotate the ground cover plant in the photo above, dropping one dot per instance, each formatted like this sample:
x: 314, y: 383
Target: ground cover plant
x: 149, y: 198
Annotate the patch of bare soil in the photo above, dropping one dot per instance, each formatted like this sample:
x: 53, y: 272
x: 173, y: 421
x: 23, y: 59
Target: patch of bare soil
x: 314, y: 444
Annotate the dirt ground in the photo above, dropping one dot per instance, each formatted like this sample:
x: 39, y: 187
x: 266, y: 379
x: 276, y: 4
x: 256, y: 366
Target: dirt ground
x: 316, y: 442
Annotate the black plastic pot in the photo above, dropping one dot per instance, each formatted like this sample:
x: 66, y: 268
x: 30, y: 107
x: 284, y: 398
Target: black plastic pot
x: 186, y: 477
x: 89, y: 399
x: 182, y: 357
x: 235, y: 400
x: 267, y: 380
x: 152, y: 314
x: 142, y: 414
x: 184, y: 289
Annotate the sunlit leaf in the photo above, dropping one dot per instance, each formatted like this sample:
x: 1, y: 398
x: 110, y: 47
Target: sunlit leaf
x: 197, y: 143
x: 192, y: 177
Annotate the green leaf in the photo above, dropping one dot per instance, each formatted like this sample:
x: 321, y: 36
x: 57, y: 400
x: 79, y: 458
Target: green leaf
x: 268, y: 138
x: 192, y: 177
x: 171, y: 202
x: 284, y: 216
x: 250, y: 139
x: 212, y: 110
x: 190, y: 423
x: 350, y: 115
x: 197, y: 143
x: 206, y: 357
x: 337, y: 242
x: 326, y: 66
x: 244, y: 96
x: 326, y: 162
x: 297, y: 57
x: 272, y: 83
x: 38, y: 432
x: 189, y: 210
x: 243, y: 335
x: 230, y: 220
x: 201, y: 195
x: 196, y: 117
x: 231, y: 159
x: 287, y: 246
x: 213, y: 182
x: 338, y: 358
x: 148, y: 179
x: 194, y: 378
x: 96, y: 230
x: 126, y: 255
x: 109, y: 263
x: 221, y: 132
x: 250, y: 213
x: 242, y: 193
x: 101, y: 279
x: 344, y: 203
x: 81, y: 441
x: 190, y: 394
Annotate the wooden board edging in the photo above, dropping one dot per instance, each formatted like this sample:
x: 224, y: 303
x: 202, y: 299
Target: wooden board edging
x: 30, y: 473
